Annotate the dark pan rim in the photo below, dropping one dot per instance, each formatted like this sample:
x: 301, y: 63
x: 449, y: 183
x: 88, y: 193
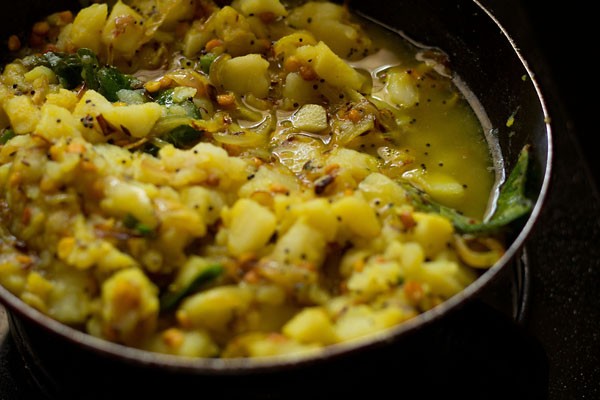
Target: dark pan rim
x: 234, y: 366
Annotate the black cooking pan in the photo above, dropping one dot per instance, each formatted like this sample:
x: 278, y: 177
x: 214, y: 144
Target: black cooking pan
x: 484, y: 57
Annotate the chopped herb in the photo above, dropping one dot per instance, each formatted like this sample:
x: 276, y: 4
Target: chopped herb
x: 151, y: 148
x: 131, y: 222
x: 183, y: 137
x: 75, y: 69
x: 6, y: 135
x: 171, y: 299
x: 206, y: 61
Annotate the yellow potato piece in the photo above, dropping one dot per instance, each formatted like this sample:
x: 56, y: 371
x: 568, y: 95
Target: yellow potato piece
x: 246, y: 74
x: 330, y: 66
x: 136, y: 120
x: 88, y: 26
x: 358, y: 216
x: 251, y: 227
x: 311, y: 325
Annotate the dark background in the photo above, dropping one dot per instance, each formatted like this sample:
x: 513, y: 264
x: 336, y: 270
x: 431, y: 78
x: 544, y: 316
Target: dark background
x: 558, y: 39
x: 566, y: 36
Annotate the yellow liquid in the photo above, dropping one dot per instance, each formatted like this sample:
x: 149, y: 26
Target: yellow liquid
x: 441, y: 133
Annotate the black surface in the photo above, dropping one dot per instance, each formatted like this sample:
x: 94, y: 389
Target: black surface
x: 478, y: 353
x: 565, y: 306
x: 566, y: 38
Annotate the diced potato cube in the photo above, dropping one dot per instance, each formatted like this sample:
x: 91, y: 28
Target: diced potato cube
x: 87, y: 27
x: 358, y: 165
x: 344, y: 40
x: 258, y: 344
x: 56, y: 122
x: 136, y: 120
x: 266, y: 179
x: 87, y: 110
x: 299, y: 245
x: 215, y: 308
x: 38, y: 285
x: 305, y: 14
x: 234, y: 30
x: 13, y: 274
x: 360, y: 321
x: 355, y: 323
x: 444, y: 277
x: 196, y: 343
x: 180, y: 218
x: 70, y: 300
x: 195, y: 39
x: 411, y: 258
x: 22, y: 113
x: 331, y: 67
x: 40, y: 72
x: 311, y: 325
x: 208, y: 203
x: 391, y: 316
x: 246, y: 74
x: 85, y: 250
x: 177, y: 11
x: 402, y: 89
x: 270, y: 294
x: 123, y: 198
x: 376, y: 278
x: 377, y: 186
x: 124, y: 31
x: 250, y: 227
x: 310, y: 118
x: 358, y: 216
x: 443, y: 188
x: 130, y: 307
x: 4, y: 94
x: 433, y: 232
x: 92, y: 103
x: 331, y: 24
x: 299, y: 90
x: 64, y: 98
x: 318, y: 214
x: 287, y: 45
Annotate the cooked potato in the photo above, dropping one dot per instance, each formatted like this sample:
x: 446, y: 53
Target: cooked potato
x: 88, y: 26
x: 124, y: 30
x: 250, y: 227
x: 22, y: 114
x: 329, y: 66
x: 246, y: 74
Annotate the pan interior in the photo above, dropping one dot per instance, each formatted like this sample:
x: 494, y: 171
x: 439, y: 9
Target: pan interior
x: 498, y: 85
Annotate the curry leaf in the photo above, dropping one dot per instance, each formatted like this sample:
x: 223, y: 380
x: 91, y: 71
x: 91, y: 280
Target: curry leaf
x: 110, y: 80
x: 6, y: 135
x: 83, y: 67
x: 207, y: 275
x: 67, y: 67
x: 131, y: 222
x: 183, y: 137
